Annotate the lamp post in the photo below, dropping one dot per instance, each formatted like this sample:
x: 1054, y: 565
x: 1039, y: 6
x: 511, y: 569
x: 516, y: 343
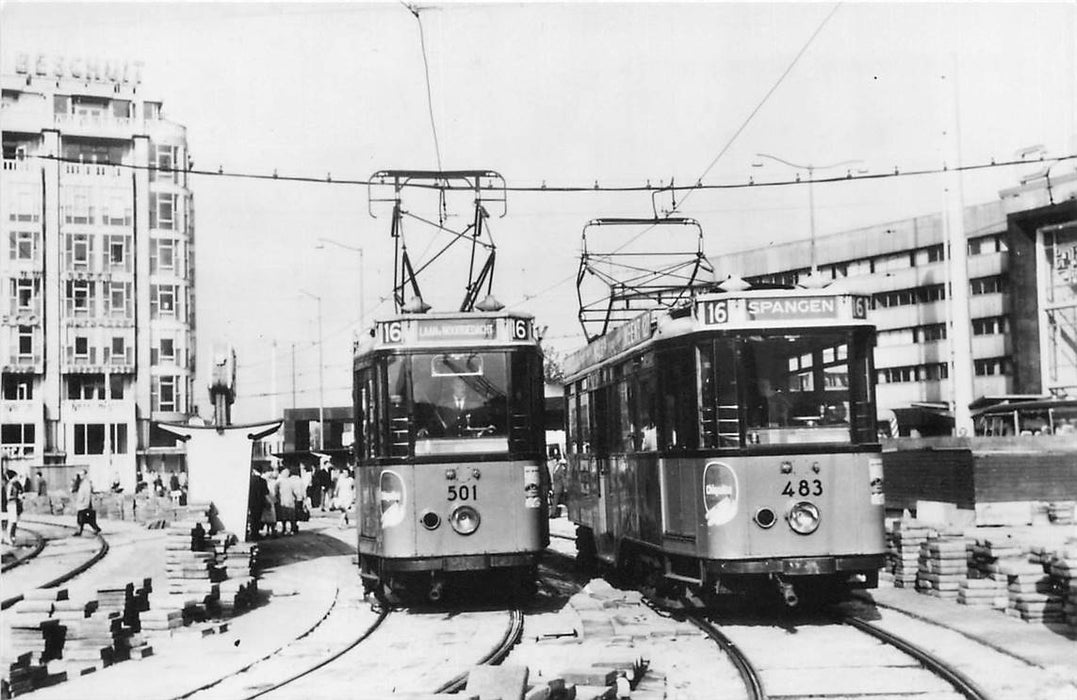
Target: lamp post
x: 321, y: 366
x: 811, y: 193
x: 362, y: 273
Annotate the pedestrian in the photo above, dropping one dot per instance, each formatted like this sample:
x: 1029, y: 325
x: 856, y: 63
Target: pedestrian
x: 344, y: 497
x: 84, y: 510
x: 174, y: 488
x: 623, y: 686
x: 256, y: 503
x: 285, y: 500
x: 269, y: 512
x: 43, y: 490
x: 290, y: 496
x: 12, y: 505
x: 323, y: 486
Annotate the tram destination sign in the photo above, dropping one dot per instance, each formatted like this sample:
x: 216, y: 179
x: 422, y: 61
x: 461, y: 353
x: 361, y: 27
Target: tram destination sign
x: 713, y: 312
x: 454, y: 329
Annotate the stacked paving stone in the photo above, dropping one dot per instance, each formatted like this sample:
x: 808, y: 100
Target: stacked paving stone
x: 189, y: 588
x: 1061, y: 512
x: 35, y: 639
x: 94, y: 638
x: 1061, y: 566
x: 986, y: 556
x: 237, y: 562
x: 129, y: 603
x: 1031, y: 596
x: 943, y: 564
x: 903, y: 548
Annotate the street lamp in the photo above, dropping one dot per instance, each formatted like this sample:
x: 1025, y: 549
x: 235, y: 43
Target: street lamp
x: 811, y: 194
x: 321, y: 366
x: 362, y: 273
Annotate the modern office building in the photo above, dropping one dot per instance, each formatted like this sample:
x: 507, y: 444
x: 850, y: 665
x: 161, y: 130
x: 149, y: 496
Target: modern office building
x: 97, y: 326
x: 1022, y: 274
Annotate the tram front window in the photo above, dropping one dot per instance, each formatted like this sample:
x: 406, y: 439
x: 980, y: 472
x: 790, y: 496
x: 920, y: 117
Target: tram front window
x: 460, y: 403
x: 778, y: 389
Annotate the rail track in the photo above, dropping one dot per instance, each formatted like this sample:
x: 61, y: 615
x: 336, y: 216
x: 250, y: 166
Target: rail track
x: 71, y: 563
x: 817, y: 658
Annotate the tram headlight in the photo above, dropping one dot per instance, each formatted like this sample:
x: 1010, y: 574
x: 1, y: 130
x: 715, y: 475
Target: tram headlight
x: 465, y: 520
x: 803, y: 518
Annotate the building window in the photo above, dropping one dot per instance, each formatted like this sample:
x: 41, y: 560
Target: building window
x: 26, y: 341
x: 89, y: 438
x: 79, y: 296
x: 162, y: 210
x: 23, y: 206
x: 79, y: 210
x: 115, y: 386
x: 118, y: 350
x: 987, y: 285
x: 163, y: 393
x: 117, y: 299
x: 991, y: 325
x: 168, y: 350
x: 23, y: 245
x: 166, y: 161
x: 117, y: 433
x: 17, y: 439
x: 24, y: 293
x: 991, y: 366
x: 86, y: 387
x: 162, y: 254
x: 117, y: 250
x: 18, y: 387
x: 82, y: 346
x: 118, y: 212
x: 162, y: 300
x: 931, y: 332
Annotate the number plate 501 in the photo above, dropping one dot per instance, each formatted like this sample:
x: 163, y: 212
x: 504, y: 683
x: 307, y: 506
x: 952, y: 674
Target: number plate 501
x: 463, y: 492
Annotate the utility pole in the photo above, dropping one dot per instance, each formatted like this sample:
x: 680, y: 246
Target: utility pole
x: 293, y: 376
x: 959, y: 333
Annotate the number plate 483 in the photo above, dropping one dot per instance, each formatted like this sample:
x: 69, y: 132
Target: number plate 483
x: 803, y: 488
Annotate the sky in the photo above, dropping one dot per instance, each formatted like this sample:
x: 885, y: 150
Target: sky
x: 614, y: 94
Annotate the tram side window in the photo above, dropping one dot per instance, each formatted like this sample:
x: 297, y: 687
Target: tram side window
x: 644, y: 411
x: 571, y: 419
x: 677, y: 385
x: 366, y: 419
x: 624, y: 432
x: 399, y: 418
x: 526, y: 409
x: 585, y: 418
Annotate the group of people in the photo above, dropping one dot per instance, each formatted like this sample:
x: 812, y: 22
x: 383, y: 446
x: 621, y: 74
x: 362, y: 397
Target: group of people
x: 172, y: 484
x: 286, y: 496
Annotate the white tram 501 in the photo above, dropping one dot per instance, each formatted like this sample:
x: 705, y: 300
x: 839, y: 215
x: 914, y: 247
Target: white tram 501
x: 730, y: 442
x: 450, y: 448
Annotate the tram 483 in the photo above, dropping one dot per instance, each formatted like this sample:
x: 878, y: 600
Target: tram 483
x: 449, y: 447
x: 730, y: 444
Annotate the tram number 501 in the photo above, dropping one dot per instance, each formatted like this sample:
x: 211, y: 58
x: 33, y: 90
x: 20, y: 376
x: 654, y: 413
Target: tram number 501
x: 803, y: 488
x: 463, y: 492
x: 715, y: 312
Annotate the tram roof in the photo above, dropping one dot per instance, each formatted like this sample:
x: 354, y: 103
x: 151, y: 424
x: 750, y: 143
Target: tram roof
x: 718, y: 310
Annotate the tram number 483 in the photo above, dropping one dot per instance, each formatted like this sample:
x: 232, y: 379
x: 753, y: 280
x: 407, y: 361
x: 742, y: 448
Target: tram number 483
x: 463, y: 493
x: 803, y: 488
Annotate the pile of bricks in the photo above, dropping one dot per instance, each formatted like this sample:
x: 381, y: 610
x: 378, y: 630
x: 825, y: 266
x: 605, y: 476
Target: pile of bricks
x: 1030, y: 593
x: 129, y: 603
x: 943, y: 564
x: 36, y: 640
x: 986, y: 585
x: 236, y: 562
x: 903, y: 549
x: 1064, y: 571
x: 190, y: 589
x: 94, y: 638
x: 1061, y: 512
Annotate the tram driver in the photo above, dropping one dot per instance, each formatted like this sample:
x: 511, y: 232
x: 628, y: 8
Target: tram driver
x: 461, y: 412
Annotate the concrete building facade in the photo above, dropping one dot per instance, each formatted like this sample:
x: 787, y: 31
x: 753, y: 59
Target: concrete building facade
x: 97, y: 324
x: 1022, y: 275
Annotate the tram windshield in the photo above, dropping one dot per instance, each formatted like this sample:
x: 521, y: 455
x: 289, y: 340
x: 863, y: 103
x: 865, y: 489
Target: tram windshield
x: 459, y: 402
x: 785, y: 388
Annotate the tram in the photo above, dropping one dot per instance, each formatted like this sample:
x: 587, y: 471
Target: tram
x: 728, y: 443
x: 450, y: 443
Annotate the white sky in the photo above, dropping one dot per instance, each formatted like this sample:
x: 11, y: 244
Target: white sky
x: 569, y: 94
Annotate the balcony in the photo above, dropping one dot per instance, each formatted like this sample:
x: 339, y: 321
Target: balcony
x: 25, y: 364
x: 100, y: 124
x: 91, y: 170
x: 26, y: 411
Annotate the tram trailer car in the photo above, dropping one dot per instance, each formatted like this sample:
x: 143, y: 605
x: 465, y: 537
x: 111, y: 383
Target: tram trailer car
x: 730, y: 444
x: 450, y: 453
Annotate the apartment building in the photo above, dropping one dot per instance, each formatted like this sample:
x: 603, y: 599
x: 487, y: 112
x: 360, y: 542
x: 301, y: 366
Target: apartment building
x: 1022, y: 276
x: 97, y: 330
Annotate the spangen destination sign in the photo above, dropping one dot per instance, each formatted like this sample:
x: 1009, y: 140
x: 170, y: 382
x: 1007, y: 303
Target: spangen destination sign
x: 774, y: 308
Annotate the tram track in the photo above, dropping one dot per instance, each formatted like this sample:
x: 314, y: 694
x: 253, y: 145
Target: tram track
x: 81, y: 565
x: 777, y: 660
x: 25, y: 556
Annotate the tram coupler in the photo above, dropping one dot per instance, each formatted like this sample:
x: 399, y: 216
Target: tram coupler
x: 785, y: 590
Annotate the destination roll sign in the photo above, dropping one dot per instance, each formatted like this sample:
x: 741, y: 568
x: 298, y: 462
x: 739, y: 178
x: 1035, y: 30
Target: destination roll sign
x: 752, y: 309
